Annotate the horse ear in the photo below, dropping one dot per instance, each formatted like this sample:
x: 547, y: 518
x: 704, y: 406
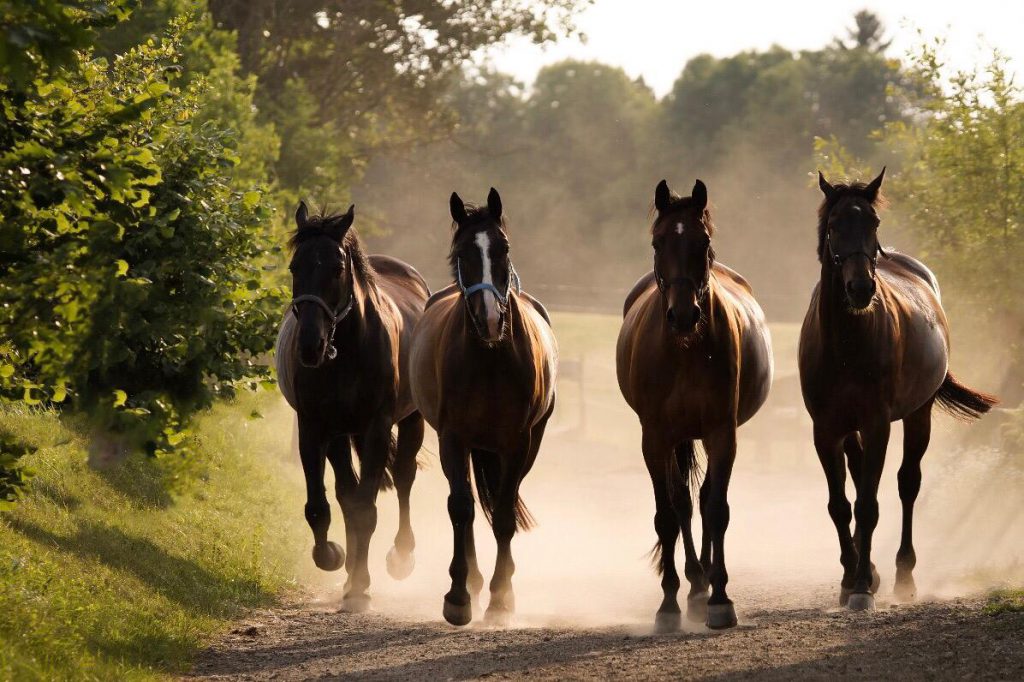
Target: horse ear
x: 301, y: 215
x: 494, y: 204
x: 875, y: 185
x: 699, y: 196
x: 338, y: 226
x: 458, y: 208
x: 662, y: 197
x: 826, y: 189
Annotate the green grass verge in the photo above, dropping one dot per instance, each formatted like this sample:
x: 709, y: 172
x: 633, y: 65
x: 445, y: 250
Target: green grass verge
x: 106, y: 575
x: 1005, y: 601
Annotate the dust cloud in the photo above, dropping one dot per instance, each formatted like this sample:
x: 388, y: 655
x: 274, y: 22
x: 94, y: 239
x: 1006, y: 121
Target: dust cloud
x: 586, y: 563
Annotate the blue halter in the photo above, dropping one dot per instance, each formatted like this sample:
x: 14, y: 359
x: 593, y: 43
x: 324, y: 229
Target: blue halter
x: 513, y: 280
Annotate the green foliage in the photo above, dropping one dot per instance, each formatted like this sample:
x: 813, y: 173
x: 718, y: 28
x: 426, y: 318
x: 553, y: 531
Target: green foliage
x: 1005, y: 601
x: 130, y: 281
x: 104, y: 576
x: 38, y: 35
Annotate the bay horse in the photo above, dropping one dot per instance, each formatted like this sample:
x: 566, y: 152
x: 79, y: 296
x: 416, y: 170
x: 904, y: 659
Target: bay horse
x: 342, y: 358
x: 694, y: 361
x: 483, y: 368
x: 874, y: 348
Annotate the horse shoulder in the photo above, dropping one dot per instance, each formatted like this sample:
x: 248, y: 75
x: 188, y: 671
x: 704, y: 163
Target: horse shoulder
x: 725, y: 271
x: 441, y: 293
x: 643, y: 284
x: 903, y: 265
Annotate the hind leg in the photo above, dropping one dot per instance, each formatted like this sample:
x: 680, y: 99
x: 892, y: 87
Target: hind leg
x: 328, y: 556
x: 854, y: 448
x: 680, y: 469
x: 657, y: 456
x: 374, y: 448
x: 917, y: 428
x: 400, y: 558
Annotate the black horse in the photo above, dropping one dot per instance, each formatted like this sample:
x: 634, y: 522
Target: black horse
x: 342, y: 357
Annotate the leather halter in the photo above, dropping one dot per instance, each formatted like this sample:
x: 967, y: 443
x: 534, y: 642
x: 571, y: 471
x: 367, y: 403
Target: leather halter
x: 334, y: 315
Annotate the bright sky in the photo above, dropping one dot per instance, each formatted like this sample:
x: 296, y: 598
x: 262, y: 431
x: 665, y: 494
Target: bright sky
x: 655, y: 38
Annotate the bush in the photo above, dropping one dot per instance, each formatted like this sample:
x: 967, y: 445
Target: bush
x: 130, y: 275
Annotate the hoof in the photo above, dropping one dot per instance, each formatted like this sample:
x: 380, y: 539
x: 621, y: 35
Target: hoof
x: 697, y: 607
x: 458, y: 614
x: 400, y: 565
x: 329, y: 556
x: 721, y: 616
x: 668, y: 621
x: 905, y: 590
x: 497, y: 617
x: 355, y: 603
x: 861, y: 601
x: 844, y: 595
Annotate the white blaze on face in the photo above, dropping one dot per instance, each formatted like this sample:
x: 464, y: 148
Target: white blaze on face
x: 490, y: 300
x: 679, y: 228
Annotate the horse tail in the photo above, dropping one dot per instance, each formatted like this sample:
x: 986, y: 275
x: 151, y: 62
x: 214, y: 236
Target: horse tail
x: 487, y: 472
x: 961, y: 402
x: 387, y: 481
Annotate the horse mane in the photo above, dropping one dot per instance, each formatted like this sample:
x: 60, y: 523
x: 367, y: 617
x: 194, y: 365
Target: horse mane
x: 316, y: 227
x: 474, y: 215
x: 843, y: 190
x: 678, y: 203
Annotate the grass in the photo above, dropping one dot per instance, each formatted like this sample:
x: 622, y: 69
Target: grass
x: 1005, y: 601
x: 105, y: 575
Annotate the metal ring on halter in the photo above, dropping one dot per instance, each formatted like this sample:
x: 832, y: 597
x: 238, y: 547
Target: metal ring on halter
x: 334, y: 316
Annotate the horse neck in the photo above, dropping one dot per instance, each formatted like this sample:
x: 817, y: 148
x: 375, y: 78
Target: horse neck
x: 838, y: 324
x: 365, y: 307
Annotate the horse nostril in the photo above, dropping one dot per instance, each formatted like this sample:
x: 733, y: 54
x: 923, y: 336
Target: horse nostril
x: 670, y: 315
x: 696, y: 313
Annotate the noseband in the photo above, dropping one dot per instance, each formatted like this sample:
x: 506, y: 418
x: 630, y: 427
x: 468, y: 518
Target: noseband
x: 334, y: 315
x: 838, y: 259
x: 663, y: 283
x: 513, y: 281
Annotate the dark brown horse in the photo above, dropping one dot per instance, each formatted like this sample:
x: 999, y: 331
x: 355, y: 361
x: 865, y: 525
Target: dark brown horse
x: 483, y: 375
x: 342, y: 361
x: 874, y: 348
x: 694, y: 362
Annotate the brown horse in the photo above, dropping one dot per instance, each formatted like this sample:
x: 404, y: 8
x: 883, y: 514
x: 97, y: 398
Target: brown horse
x: 483, y: 375
x: 874, y: 348
x: 342, y: 361
x: 694, y: 362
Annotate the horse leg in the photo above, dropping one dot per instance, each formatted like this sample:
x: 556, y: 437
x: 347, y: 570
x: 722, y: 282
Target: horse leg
x: 458, y: 609
x: 373, y: 447
x: 705, y: 532
x: 917, y: 428
x: 721, y: 449
x: 328, y: 556
x: 854, y: 448
x: 503, y: 523
x: 400, y: 558
x: 827, y: 444
x: 657, y: 456
x: 876, y: 440
x: 339, y: 454
x: 682, y: 502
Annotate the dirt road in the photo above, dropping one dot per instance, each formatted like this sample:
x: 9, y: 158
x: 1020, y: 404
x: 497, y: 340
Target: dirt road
x: 937, y: 640
x: 586, y: 594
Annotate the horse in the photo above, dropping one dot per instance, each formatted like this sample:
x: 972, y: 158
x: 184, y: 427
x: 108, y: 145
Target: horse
x: 483, y: 366
x: 874, y: 349
x: 694, y: 361
x: 342, y: 357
